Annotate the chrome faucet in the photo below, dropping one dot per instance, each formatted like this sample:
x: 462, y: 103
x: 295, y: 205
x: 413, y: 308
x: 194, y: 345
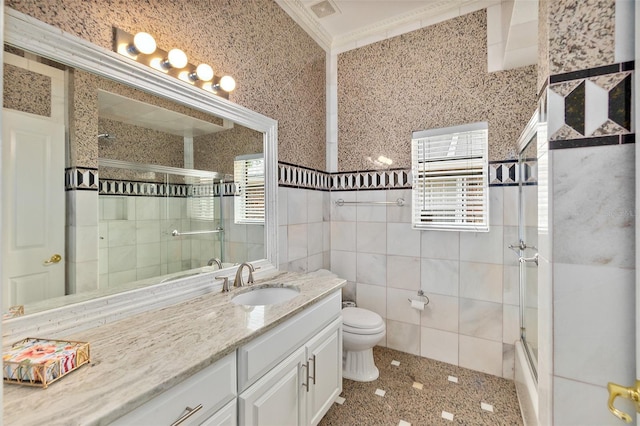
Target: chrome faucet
x: 216, y: 261
x: 238, y: 281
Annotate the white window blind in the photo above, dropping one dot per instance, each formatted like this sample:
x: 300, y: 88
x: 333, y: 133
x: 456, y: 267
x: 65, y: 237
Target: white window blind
x: 450, y: 188
x: 201, y: 203
x: 249, y: 197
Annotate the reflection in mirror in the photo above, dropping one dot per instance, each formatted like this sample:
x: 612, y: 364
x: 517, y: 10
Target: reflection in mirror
x: 528, y: 241
x: 166, y: 187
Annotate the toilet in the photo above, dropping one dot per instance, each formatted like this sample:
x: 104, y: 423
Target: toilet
x: 361, y: 331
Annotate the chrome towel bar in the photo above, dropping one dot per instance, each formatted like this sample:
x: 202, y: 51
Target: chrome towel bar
x: 177, y: 233
x: 399, y: 202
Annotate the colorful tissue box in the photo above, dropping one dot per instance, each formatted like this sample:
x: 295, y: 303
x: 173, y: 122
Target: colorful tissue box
x: 40, y: 362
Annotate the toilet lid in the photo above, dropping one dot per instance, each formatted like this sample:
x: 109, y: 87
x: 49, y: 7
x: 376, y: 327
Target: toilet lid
x: 363, y: 331
x: 359, y: 318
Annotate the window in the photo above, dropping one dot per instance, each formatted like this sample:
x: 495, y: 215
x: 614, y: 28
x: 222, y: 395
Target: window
x: 200, y: 200
x: 450, y: 182
x: 249, y: 179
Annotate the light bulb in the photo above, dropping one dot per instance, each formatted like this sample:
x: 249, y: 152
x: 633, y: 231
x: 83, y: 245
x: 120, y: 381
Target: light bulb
x: 203, y: 72
x: 227, y: 83
x: 143, y: 43
x: 385, y: 160
x: 176, y: 58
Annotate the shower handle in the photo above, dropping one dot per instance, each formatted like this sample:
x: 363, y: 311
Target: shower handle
x: 529, y: 259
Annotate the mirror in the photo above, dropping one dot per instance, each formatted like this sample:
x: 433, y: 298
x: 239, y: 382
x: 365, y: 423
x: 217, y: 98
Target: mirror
x: 166, y: 202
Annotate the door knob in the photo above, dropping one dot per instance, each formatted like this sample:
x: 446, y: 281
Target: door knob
x: 53, y: 259
x: 632, y: 393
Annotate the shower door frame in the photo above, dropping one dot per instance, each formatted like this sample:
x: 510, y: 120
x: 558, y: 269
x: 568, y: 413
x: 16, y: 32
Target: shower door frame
x: 527, y: 137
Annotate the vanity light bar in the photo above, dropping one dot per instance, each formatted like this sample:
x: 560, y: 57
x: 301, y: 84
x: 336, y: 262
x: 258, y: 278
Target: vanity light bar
x: 142, y: 48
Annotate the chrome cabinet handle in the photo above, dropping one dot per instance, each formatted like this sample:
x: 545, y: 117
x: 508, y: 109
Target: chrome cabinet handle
x: 53, y: 259
x: 190, y: 412
x: 313, y: 359
x: 306, y: 366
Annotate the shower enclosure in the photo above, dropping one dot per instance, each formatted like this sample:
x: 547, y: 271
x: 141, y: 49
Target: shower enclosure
x: 526, y: 363
x: 157, y: 220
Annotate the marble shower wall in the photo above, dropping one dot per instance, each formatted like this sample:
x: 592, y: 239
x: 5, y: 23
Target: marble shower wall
x: 587, y: 247
x: 279, y: 69
x: 429, y: 78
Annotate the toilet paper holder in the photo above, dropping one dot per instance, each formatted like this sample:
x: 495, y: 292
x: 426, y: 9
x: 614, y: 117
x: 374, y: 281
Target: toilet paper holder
x: 423, y: 297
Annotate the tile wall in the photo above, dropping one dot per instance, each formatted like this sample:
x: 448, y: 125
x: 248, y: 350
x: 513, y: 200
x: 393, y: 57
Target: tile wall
x: 135, y: 237
x: 136, y: 242
x: 471, y: 279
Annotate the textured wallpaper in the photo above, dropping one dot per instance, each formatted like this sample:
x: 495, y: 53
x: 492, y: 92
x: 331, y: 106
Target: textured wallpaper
x: 430, y: 78
x: 26, y: 91
x: 217, y: 151
x: 581, y: 34
x: 279, y: 69
x: 543, y: 43
x: 140, y: 145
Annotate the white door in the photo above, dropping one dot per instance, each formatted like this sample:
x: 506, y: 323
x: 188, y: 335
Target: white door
x: 33, y: 208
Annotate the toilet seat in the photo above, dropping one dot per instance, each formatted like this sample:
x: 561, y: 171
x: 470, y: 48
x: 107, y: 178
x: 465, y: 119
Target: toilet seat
x: 361, y: 321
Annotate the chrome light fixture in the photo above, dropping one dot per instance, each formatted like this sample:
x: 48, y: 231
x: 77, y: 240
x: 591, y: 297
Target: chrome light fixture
x: 142, y: 43
x: 142, y: 48
x: 203, y: 72
x: 176, y: 58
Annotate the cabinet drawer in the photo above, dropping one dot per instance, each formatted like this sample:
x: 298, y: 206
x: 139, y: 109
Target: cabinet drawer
x: 263, y: 353
x: 212, y: 387
x: 226, y: 416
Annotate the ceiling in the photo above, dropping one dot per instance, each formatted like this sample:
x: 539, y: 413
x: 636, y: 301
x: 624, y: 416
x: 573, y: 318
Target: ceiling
x: 341, y: 25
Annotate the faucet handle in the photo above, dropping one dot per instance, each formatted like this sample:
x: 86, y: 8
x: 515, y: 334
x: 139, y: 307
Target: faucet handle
x: 225, y: 284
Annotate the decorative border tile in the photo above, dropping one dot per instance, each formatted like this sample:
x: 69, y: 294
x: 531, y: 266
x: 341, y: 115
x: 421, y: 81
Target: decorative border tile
x: 154, y: 189
x: 592, y: 72
x: 302, y: 177
x: 372, y: 179
x: 81, y: 179
x: 501, y: 173
x: 591, y: 106
x: 511, y: 173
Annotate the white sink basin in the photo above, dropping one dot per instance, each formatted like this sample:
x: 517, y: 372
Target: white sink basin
x: 266, y: 295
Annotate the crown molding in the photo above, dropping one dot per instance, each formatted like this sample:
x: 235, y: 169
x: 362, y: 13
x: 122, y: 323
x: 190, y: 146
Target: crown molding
x: 432, y: 13
x: 304, y: 17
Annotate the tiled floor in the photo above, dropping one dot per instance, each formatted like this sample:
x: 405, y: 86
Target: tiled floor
x: 421, y: 391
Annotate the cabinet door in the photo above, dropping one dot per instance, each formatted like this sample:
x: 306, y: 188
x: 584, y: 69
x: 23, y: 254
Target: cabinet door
x: 279, y: 397
x: 324, y: 354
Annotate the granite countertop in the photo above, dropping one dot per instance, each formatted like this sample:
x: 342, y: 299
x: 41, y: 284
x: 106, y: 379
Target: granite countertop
x: 138, y: 358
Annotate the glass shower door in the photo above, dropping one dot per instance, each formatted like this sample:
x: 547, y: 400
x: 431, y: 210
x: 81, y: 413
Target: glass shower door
x: 528, y: 261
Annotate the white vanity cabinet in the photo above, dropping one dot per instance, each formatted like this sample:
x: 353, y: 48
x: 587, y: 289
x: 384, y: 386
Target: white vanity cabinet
x: 302, y: 365
x: 209, y: 395
x: 289, y: 375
